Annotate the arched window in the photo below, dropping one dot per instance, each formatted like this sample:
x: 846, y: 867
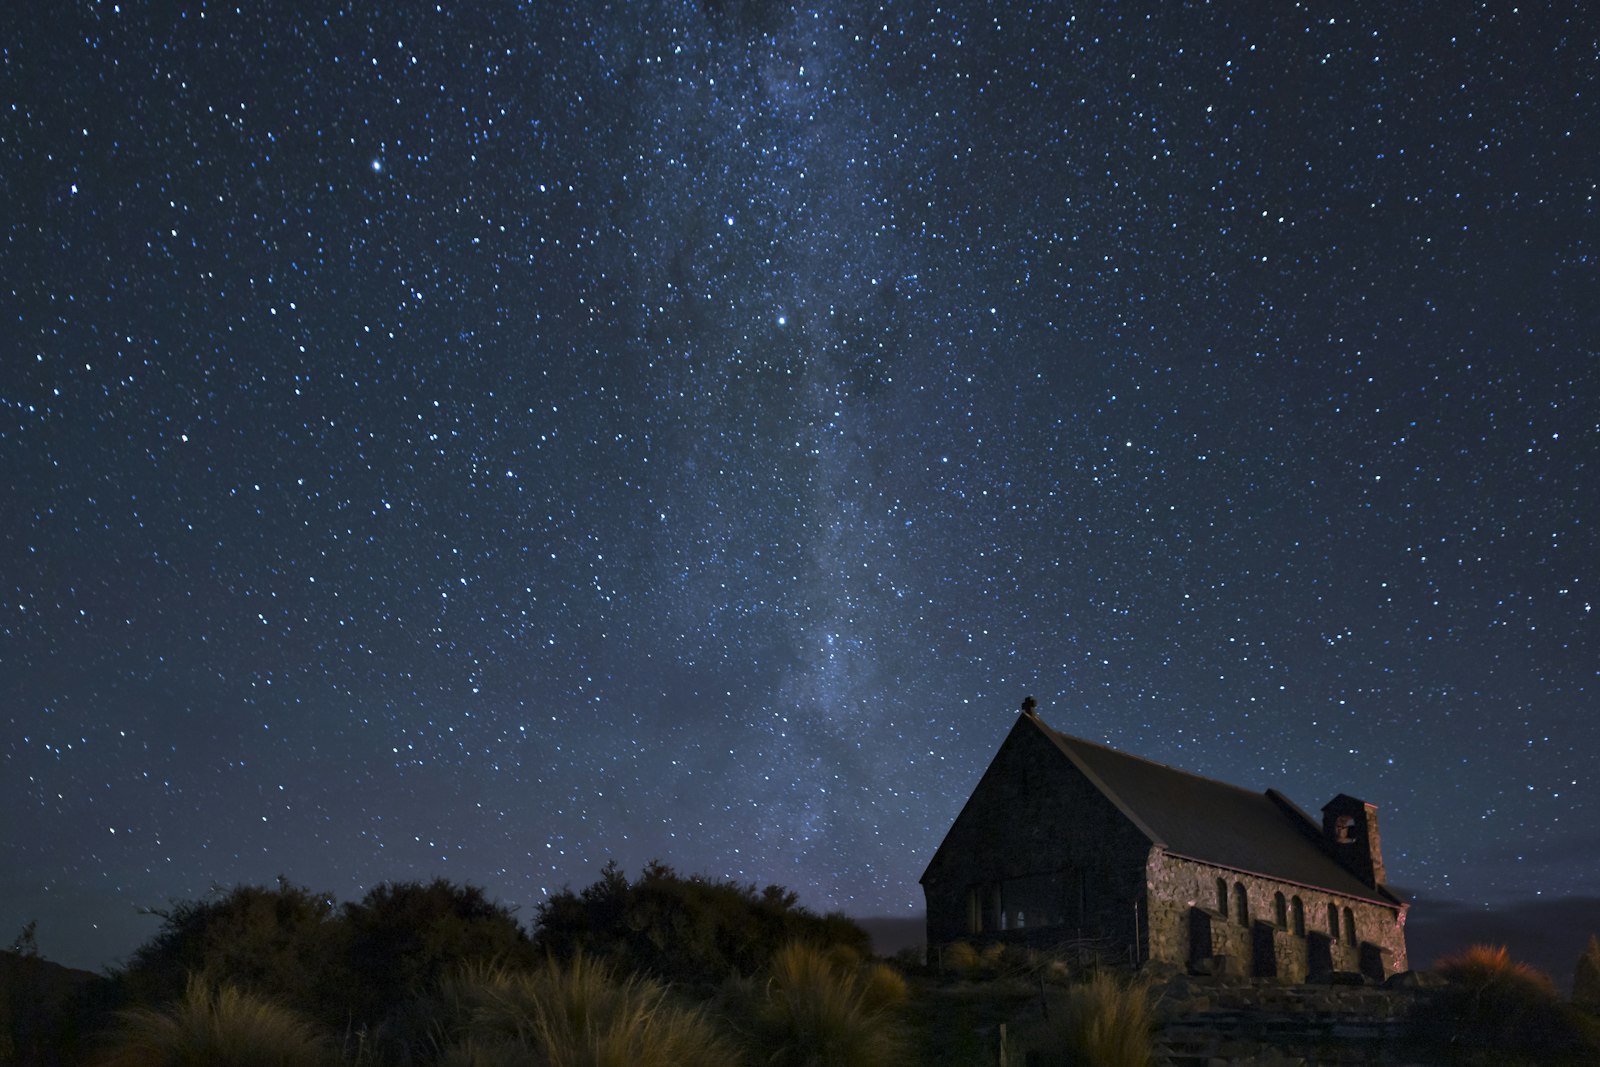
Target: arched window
x: 1297, y: 908
x: 1222, y: 896
x: 1349, y: 927
x: 1280, y: 910
x: 1333, y: 922
x: 1241, y: 905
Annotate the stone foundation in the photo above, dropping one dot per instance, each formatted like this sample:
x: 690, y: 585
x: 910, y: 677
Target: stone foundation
x: 1206, y: 1021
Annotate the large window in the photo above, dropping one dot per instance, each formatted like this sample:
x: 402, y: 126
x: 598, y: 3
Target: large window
x: 1026, y: 903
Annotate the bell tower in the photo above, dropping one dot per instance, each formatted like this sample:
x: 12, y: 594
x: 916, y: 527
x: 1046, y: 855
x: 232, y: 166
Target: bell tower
x: 1350, y: 829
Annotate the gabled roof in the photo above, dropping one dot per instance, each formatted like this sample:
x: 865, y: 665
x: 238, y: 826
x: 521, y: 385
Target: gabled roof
x: 1213, y: 822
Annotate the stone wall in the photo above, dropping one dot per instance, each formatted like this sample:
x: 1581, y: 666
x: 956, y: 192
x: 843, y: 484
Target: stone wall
x: 1033, y: 819
x: 1185, y: 917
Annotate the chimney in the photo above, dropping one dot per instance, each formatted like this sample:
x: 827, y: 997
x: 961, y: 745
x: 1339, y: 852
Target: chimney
x: 1350, y: 829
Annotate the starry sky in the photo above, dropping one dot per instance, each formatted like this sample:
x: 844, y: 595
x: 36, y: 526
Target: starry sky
x: 486, y: 440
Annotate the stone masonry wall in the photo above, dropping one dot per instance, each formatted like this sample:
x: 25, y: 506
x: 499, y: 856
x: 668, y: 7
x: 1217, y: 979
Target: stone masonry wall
x: 1177, y: 888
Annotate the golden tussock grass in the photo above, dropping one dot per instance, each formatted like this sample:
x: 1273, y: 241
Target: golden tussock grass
x: 577, y: 1015
x: 212, y: 1025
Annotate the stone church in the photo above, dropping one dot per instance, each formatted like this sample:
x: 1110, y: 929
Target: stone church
x: 1068, y: 842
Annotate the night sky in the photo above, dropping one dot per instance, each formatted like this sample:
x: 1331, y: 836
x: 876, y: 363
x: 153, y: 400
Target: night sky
x: 483, y: 442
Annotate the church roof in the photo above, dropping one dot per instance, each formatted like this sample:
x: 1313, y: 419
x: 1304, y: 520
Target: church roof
x: 1214, y: 822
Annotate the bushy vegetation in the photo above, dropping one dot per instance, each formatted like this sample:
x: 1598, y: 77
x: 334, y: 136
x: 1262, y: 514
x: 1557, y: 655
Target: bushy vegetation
x: 435, y: 972
x: 812, y: 1009
x: 1495, y: 1010
x: 401, y: 938
x: 1104, y: 1021
x: 961, y: 958
x: 350, y: 968
x: 279, y: 942
x: 684, y: 929
x: 212, y: 1025
x: 579, y: 1014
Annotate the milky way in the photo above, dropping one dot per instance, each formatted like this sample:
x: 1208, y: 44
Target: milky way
x: 486, y: 444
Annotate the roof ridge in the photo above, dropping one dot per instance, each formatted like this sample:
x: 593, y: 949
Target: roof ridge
x: 1154, y: 763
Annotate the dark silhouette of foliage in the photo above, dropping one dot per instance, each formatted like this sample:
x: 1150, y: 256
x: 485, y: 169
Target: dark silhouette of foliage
x: 349, y: 968
x: 404, y: 936
x: 686, y: 929
x: 27, y: 942
x: 1586, y: 978
x: 1497, y: 1011
x: 282, y: 942
x: 49, y: 1013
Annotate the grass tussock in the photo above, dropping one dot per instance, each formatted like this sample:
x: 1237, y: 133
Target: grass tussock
x: 213, y: 1025
x: 961, y: 958
x: 815, y: 1012
x: 1105, y: 1022
x: 1496, y: 1010
x: 884, y: 988
x: 1484, y: 968
x: 575, y: 1015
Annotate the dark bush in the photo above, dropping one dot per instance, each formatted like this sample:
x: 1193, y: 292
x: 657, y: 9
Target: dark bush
x: 283, y: 942
x: 685, y: 929
x: 1497, y: 1011
x: 402, y: 937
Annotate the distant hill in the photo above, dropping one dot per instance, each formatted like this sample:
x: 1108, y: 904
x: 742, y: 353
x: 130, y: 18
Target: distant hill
x: 891, y: 933
x: 47, y: 1011
x: 1549, y: 934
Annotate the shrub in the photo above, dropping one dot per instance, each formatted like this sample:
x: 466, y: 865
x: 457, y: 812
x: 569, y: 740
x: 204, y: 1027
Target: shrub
x: 884, y: 988
x: 685, y: 929
x: 403, y: 937
x: 814, y: 1013
x: 1496, y: 1010
x: 214, y: 1025
x: 1105, y: 1022
x: 577, y: 1015
x: 279, y: 942
x: 961, y: 957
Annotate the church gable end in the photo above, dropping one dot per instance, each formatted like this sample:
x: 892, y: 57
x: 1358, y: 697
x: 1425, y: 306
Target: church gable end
x: 1066, y: 841
x: 1037, y: 853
